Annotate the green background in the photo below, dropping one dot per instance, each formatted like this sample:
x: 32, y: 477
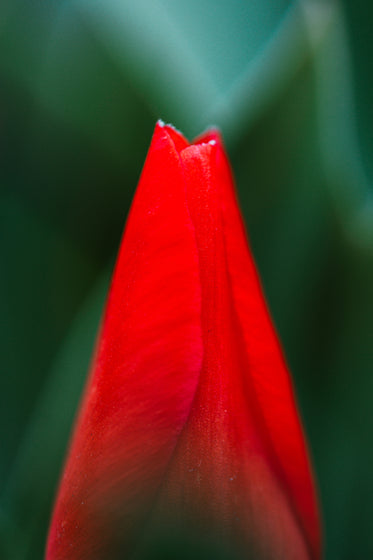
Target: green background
x: 290, y: 84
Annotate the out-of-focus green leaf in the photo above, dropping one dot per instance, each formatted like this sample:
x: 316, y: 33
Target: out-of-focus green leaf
x: 263, y: 78
x: 182, y: 57
x: 358, y: 18
x: 83, y: 86
x: 43, y: 278
x: 29, y: 492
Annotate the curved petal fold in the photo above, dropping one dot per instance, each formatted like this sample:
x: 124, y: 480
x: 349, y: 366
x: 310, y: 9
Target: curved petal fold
x: 144, y: 374
x: 189, y: 418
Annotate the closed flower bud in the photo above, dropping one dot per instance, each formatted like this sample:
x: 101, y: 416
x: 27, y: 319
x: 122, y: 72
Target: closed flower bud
x: 188, y: 422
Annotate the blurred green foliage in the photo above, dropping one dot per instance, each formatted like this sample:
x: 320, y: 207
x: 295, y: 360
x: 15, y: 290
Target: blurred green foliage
x: 82, y: 83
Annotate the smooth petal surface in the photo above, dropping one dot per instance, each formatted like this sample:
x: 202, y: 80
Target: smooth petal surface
x: 144, y: 373
x: 189, y: 416
x: 241, y: 466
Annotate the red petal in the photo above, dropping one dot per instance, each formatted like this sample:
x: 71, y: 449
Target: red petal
x: 189, y: 393
x: 240, y: 469
x: 145, y: 372
x: 180, y: 142
x: 268, y: 372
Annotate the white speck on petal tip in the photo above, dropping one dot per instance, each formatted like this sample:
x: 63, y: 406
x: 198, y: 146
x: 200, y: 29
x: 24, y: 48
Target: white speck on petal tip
x: 212, y: 142
x: 161, y: 123
x: 173, y: 127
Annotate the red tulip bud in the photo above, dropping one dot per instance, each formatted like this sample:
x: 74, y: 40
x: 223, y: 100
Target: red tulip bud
x: 188, y: 418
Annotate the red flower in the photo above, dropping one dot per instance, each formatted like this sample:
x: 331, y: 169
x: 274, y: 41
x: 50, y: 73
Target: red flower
x: 189, y: 417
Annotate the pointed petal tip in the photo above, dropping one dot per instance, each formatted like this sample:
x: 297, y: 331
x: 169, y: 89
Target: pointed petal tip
x: 211, y: 134
x: 176, y: 137
x: 166, y: 137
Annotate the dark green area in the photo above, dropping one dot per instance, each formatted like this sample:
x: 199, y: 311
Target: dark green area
x: 82, y: 83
